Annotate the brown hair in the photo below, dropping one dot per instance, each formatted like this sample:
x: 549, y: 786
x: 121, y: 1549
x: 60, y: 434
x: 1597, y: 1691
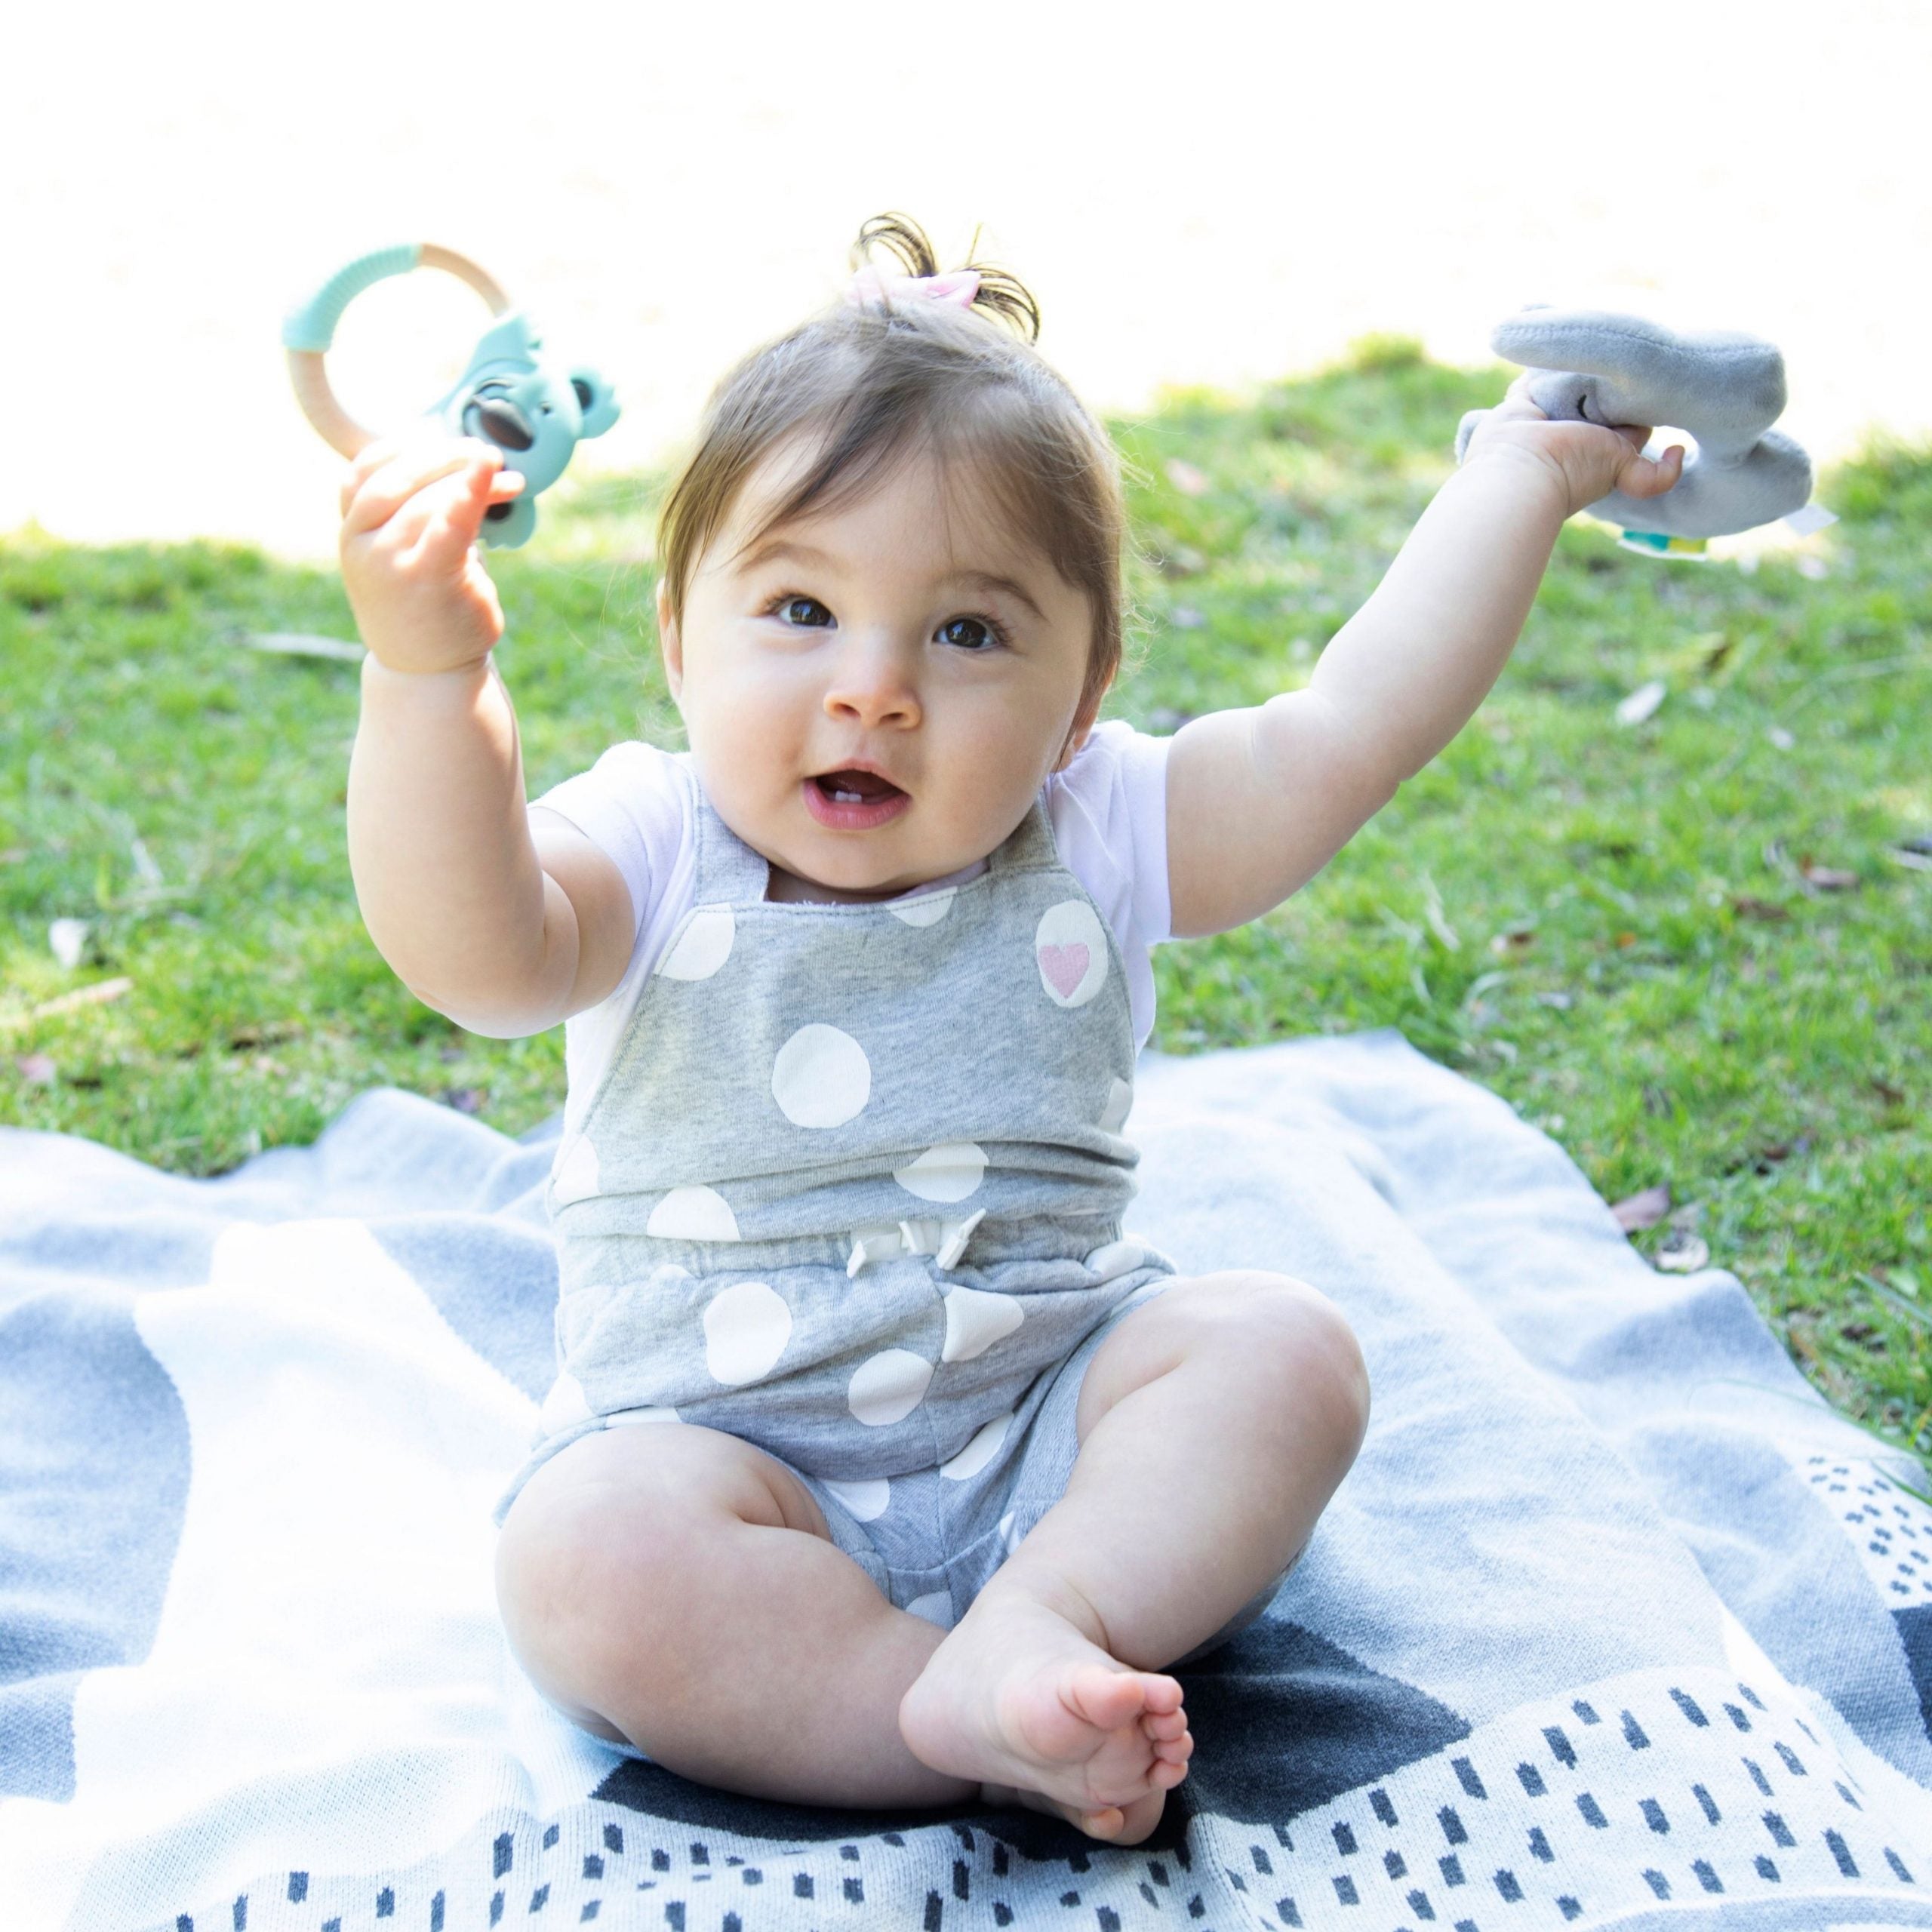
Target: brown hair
x: 880, y: 379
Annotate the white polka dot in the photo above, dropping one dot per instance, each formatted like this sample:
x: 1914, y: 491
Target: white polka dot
x: 865, y: 1500
x: 745, y: 1329
x: 935, y: 1606
x: 978, y: 1453
x: 565, y: 1403
x: 1118, y: 1257
x: 975, y: 1320
x: 626, y: 1418
x: 575, y: 1178
x: 703, y: 946
x: 1120, y: 1104
x: 821, y: 1077
x: 1009, y: 1532
x: 948, y: 1172
x: 693, y: 1214
x: 1071, y: 952
x: 886, y: 1388
x: 926, y: 911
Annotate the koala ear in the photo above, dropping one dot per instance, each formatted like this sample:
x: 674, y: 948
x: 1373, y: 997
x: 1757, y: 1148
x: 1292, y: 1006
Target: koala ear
x: 594, y: 399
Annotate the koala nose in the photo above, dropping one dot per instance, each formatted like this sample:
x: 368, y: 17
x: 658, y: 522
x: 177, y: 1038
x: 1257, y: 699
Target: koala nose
x: 491, y: 416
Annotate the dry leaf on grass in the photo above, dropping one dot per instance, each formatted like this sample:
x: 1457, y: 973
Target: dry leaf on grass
x: 100, y: 994
x: 1643, y: 1210
x: 36, y: 1069
x: 301, y: 644
x: 1826, y: 878
x: 1745, y: 907
x: 1642, y: 702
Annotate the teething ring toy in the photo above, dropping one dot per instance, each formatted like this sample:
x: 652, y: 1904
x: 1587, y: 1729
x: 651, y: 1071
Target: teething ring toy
x: 535, y: 410
x: 1725, y: 389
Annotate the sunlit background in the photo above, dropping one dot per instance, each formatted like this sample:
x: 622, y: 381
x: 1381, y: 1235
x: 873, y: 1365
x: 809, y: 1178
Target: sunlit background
x: 1216, y: 193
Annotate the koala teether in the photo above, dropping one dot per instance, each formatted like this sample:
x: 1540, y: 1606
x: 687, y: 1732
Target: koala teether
x: 1725, y: 389
x: 534, y: 409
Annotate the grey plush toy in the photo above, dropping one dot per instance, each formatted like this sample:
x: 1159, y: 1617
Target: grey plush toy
x: 1726, y: 390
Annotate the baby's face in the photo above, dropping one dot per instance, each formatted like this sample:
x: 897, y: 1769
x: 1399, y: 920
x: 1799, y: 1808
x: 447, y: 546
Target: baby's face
x: 907, y: 631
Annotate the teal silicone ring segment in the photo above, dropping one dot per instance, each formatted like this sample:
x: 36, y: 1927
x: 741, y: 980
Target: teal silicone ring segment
x: 313, y: 326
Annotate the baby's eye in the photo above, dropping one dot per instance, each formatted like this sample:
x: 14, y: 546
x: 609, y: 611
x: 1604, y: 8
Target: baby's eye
x: 785, y: 606
x: 961, y: 631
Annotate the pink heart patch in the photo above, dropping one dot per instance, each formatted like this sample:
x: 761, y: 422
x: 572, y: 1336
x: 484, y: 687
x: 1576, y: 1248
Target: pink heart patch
x: 1065, y: 966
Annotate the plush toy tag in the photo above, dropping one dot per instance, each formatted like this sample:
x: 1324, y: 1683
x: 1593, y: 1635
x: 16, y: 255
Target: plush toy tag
x: 1808, y: 518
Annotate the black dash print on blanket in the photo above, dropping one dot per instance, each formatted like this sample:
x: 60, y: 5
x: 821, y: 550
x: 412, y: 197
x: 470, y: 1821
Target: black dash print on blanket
x: 1891, y: 1532
x: 1596, y: 1807
x: 1553, y: 1816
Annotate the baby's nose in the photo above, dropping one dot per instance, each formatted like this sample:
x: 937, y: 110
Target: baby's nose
x: 871, y: 682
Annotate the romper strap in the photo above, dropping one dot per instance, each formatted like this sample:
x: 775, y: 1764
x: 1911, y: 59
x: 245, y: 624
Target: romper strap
x: 1030, y: 847
x: 727, y: 872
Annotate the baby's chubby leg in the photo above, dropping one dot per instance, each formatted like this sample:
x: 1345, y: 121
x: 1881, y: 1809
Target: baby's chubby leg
x: 1215, y: 1424
x: 674, y: 1585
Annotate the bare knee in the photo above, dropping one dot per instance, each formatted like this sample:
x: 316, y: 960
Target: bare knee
x: 1289, y: 1337
x: 1305, y: 1338
x: 595, y: 1560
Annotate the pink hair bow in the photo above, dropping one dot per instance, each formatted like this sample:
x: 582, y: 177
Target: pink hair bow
x: 868, y: 285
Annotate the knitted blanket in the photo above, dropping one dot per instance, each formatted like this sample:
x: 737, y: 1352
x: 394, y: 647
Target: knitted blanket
x: 1613, y: 1624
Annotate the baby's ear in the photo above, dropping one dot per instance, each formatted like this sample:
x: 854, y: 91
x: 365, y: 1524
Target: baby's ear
x: 670, y: 645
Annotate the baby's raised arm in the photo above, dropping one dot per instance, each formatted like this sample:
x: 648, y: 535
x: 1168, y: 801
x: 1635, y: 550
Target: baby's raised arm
x: 1260, y: 800
x: 505, y: 931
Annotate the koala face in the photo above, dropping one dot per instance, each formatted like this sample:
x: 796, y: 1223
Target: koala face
x: 536, y: 410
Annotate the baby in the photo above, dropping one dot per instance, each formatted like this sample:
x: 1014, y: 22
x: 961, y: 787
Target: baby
x: 882, y: 1467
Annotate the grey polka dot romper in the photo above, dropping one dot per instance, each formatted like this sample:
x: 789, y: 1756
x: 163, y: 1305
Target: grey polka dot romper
x: 851, y: 1189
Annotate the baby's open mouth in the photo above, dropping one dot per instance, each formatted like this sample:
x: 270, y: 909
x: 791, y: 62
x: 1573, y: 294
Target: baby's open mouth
x: 855, y: 788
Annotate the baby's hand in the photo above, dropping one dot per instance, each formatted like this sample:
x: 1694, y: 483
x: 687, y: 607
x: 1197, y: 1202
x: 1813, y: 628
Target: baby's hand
x: 1587, y: 461
x: 410, y: 513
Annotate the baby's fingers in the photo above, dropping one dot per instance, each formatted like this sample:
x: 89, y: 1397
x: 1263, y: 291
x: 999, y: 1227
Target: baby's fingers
x: 1644, y: 476
x: 409, y: 468
x: 439, y: 522
x: 1516, y: 401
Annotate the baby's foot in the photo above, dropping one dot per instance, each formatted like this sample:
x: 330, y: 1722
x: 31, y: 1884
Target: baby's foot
x: 1018, y: 1700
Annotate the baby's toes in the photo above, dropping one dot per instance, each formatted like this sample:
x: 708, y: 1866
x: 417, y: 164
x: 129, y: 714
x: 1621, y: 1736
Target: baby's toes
x: 1174, y: 1750
x: 1163, y: 1774
x: 1160, y: 1725
x: 1109, y: 1700
x: 1161, y: 1695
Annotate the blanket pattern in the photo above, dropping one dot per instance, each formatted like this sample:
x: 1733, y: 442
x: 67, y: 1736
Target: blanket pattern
x: 1614, y: 1623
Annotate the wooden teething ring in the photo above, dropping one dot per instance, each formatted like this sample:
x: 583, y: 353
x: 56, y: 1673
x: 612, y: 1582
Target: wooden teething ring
x: 307, y: 369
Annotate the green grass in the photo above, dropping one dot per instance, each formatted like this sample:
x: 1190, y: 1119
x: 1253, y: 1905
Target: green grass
x: 1617, y: 928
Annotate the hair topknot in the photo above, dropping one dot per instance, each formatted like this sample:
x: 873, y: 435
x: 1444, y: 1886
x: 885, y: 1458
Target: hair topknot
x: 1000, y: 292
